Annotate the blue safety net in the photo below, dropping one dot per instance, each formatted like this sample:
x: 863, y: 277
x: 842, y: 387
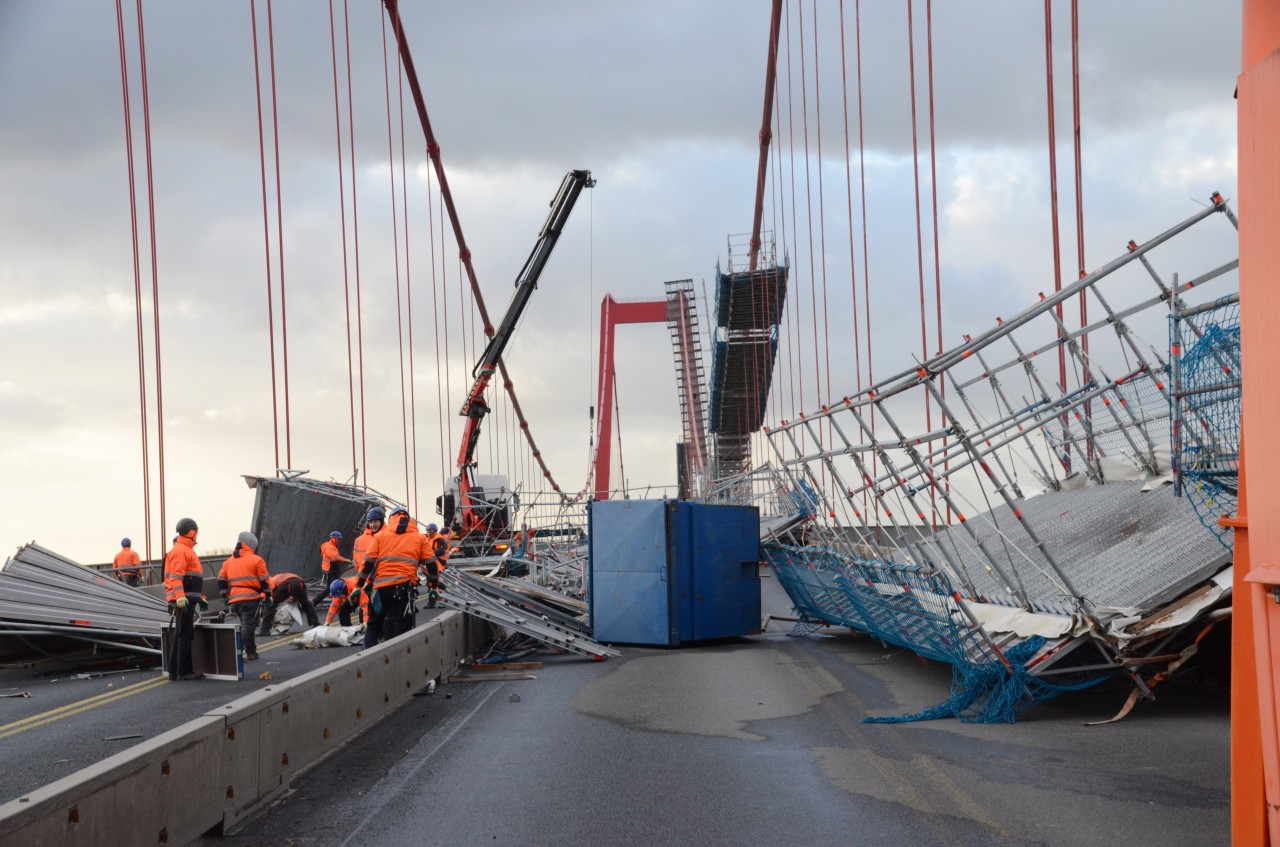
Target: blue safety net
x: 917, y: 607
x: 1207, y: 416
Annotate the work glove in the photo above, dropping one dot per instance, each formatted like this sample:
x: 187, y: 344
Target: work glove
x: 181, y: 603
x: 355, y: 596
x: 268, y: 601
x: 203, y: 605
x: 225, y: 597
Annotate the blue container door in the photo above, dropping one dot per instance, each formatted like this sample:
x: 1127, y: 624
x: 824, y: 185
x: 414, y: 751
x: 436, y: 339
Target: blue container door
x: 725, y: 550
x: 630, y: 593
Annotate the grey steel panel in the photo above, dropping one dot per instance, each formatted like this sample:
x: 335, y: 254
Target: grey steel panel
x: 1121, y: 547
x: 40, y: 586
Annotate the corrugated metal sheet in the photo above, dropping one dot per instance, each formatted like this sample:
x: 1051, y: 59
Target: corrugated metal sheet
x: 38, y: 586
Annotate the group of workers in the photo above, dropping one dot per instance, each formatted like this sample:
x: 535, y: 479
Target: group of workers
x: 390, y: 556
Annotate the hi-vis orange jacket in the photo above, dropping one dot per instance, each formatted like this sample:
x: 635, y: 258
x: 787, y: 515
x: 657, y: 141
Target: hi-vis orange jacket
x: 352, y: 583
x: 245, y: 575
x: 399, y: 547
x: 127, y: 562
x: 438, y: 547
x: 363, y: 542
x: 181, y: 563
x: 331, y: 560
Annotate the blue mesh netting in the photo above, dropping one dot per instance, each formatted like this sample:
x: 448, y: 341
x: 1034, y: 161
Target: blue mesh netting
x: 1208, y: 443
x: 916, y: 607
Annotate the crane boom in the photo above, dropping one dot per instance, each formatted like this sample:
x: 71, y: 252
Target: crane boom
x: 474, y: 407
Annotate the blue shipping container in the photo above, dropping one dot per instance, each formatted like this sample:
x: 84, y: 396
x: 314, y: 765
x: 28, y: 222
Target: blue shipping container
x: 663, y: 572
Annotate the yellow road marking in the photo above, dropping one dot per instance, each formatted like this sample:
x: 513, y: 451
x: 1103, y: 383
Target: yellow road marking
x: 79, y: 706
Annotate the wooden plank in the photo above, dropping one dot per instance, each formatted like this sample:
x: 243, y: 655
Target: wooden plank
x: 508, y: 666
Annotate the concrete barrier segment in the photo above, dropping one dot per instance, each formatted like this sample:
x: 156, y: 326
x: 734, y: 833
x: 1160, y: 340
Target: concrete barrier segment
x: 223, y: 767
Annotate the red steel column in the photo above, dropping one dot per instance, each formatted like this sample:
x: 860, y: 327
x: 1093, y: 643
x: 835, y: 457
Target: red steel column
x: 1255, y: 760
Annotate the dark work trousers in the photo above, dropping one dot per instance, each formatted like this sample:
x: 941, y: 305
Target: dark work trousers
x: 326, y: 580
x: 397, y: 615
x: 295, y: 588
x: 247, y: 612
x: 180, y: 655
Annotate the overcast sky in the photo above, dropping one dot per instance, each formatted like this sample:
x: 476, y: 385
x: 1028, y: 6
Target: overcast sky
x: 661, y: 100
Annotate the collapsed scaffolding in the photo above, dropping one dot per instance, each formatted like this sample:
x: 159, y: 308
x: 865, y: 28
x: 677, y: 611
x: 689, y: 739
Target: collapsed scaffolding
x: 1028, y: 541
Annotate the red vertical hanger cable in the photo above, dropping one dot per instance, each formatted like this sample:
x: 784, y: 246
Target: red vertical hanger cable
x: 342, y: 211
x: 155, y: 274
x: 284, y: 315
x: 137, y: 282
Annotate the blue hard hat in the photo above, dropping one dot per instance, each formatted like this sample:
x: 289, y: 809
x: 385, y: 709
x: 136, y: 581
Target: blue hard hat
x: 338, y: 588
x: 376, y: 514
x: 335, y: 534
x: 399, y: 510
x: 432, y: 528
x: 124, y: 542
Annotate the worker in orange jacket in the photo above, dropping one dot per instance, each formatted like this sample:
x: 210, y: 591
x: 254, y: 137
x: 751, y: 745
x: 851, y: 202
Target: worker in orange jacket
x: 345, y: 595
x: 331, y: 564
x: 282, y: 588
x: 127, y: 565
x: 373, y: 525
x: 391, y: 571
x: 183, y: 582
x: 243, y: 581
x: 438, y: 548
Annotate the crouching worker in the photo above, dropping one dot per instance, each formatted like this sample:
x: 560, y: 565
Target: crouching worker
x: 284, y: 587
x: 243, y: 583
x: 391, y: 570
x: 344, y: 597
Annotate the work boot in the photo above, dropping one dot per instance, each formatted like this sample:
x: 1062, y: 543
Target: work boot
x: 250, y: 657
x: 187, y: 677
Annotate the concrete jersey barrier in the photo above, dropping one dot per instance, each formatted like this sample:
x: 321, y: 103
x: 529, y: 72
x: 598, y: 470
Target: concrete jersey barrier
x: 226, y: 765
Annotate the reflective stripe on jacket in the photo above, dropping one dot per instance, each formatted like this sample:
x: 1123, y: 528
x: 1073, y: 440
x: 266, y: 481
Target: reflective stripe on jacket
x: 286, y: 585
x: 438, y: 547
x: 398, y: 552
x: 363, y: 542
x: 244, y: 575
x: 329, y: 552
x: 181, y: 563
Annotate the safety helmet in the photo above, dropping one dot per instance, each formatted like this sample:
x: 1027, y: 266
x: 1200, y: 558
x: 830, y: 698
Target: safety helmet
x: 185, y: 525
x: 399, y: 510
x: 432, y: 528
x: 124, y: 542
x: 338, y: 588
x: 376, y: 514
x: 336, y: 534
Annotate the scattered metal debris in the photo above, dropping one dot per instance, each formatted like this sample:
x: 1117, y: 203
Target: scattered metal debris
x: 478, y: 596
x: 128, y: 737
x: 45, y: 594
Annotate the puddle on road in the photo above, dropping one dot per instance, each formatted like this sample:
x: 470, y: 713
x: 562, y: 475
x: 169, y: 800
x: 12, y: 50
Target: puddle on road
x: 703, y: 693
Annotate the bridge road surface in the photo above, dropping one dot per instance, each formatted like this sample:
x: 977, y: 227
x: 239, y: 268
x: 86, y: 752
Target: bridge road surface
x: 760, y: 742
x: 68, y: 723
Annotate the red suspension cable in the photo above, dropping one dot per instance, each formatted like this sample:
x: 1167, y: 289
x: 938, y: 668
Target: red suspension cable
x: 284, y: 315
x: 395, y: 246
x: 937, y: 257
x: 355, y: 234
x: 137, y: 282
x: 1053, y: 181
x: 266, y: 233
x: 155, y: 273
x: 342, y: 208
x: 915, y: 170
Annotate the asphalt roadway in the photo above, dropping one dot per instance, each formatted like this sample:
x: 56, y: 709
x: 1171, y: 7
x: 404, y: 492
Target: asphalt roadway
x: 760, y: 742
x: 67, y: 723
